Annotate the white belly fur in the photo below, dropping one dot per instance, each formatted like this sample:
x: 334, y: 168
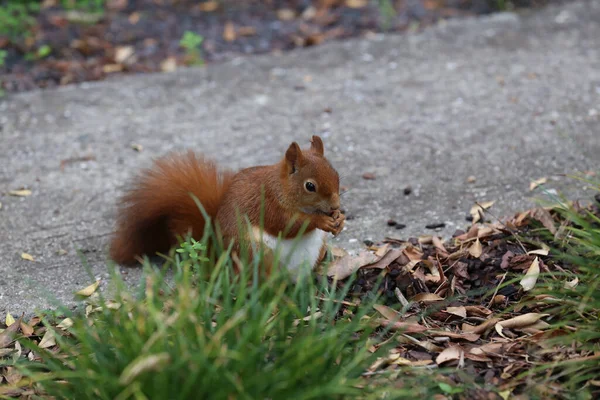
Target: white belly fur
x: 293, y: 253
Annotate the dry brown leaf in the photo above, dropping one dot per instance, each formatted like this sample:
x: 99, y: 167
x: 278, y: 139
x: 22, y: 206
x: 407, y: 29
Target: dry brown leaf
x: 169, y: 64
x: 27, y: 256
x: 124, y: 54
x: 229, y: 34
x: 427, y: 298
x: 476, y: 250
x: 468, y: 336
x: 357, y: 3
x: 286, y: 14
x: 387, y: 312
x: 382, y: 251
x: 12, y: 375
x: 481, y: 328
x: 450, y: 354
x: 208, y: 6
x: 112, y: 68
x: 458, y: 311
x: 437, y: 242
x: 7, y: 336
x: 88, y: 291
x: 539, y: 252
x: 338, y: 252
x: 65, y: 323
x: 537, y: 183
x: 478, y: 311
x: 408, y: 327
x: 48, y: 340
x: 426, y: 344
x: 521, y: 321
x: 20, y: 192
x: 529, y: 280
x: 386, y: 260
x: 545, y: 218
x: 572, y: 284
x: 478, y: 209
x: 488, y: 348
x: 347, y: 265
x: 26, y: 329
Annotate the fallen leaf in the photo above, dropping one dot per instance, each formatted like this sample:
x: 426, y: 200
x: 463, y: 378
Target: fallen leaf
x: 12, y: 375
x: 540, y: 252
x: 530, y: 278
x: 112, y: 68
x: 7, y: 336
x: 468, y: 336
x: 88, y: 291
x: 286, y: 14
x: 229, y: 32
x: 338, y: 252
x: 357, y: 3
x: 450, y: 354
x: 481, y: 328
x: 27, y: 256
x: 406, y: 327
x: 387, y: 312
x: 545, y: 218
x: 169, y: 64
x: 246, y: 31
x: 386, y: 260
x: 572, y: 284
x: 520, y: 321
x: 427, y: 298
x: 478, y: 209
x: 458, y: 311
x: 208, y: 6
x: 65, y: 323
x: 476, y: 250
x: 537, y: 183
x: 48, y: 340
x: 26, y: 329
x: 20, y: 192
x: 9, y: 320
x: 124, y: 54
x: 347, y: 265
x: 134, y: 18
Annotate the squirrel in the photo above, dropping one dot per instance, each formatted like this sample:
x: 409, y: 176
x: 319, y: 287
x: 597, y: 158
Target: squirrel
x: 300, y: 191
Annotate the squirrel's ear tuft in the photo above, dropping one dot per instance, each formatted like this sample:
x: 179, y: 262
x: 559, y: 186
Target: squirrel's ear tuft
x: 293, y: 156
x: 316, y: 145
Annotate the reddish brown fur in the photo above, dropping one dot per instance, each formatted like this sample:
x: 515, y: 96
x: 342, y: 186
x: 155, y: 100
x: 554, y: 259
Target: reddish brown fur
x: 159, y: 206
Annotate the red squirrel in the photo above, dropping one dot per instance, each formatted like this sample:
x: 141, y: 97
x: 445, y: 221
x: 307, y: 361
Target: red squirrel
x: 303, y: 187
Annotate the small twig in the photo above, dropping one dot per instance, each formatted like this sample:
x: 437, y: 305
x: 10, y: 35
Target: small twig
x: 504, y: 225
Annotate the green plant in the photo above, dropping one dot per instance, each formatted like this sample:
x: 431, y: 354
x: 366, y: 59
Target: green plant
x: 226, y: 336
x: 577, y: 298
x: 3, y: 54
x: 42, y: 52
x: 386, y: 13
x: 17, y: 17
x: 191, y: 42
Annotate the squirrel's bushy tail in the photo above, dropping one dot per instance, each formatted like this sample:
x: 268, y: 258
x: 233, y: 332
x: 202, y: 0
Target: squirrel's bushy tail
x: 159, y: 206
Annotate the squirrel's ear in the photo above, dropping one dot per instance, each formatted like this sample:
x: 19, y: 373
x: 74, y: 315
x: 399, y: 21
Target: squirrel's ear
x: 316, y: 145
x: 293, y: 156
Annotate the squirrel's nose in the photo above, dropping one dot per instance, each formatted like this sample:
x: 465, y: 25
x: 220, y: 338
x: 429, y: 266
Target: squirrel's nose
x: 334, y: 203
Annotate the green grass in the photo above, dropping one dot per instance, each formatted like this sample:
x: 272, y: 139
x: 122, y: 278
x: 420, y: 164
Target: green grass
x: 577, y: 310
x: 220, y: 337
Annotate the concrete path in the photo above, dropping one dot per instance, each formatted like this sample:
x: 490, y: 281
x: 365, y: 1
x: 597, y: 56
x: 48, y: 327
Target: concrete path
x: 507, y: 99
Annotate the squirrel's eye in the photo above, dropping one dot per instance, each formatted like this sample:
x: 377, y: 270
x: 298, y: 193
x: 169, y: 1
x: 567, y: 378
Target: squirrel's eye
x: 310, y: 187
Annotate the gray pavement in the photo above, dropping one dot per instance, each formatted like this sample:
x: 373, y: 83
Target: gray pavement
x: 507, y: 98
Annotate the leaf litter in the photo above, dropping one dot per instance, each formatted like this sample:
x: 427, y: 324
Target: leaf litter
x: 463, y: 303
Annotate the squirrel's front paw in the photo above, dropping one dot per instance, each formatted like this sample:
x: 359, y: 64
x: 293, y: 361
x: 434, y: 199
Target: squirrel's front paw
x: 332, y: 224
